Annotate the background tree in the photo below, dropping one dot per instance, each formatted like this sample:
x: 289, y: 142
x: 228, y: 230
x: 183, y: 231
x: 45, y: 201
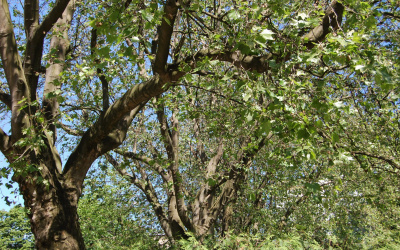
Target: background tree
x: 15, y: 231
x: 111, y: 217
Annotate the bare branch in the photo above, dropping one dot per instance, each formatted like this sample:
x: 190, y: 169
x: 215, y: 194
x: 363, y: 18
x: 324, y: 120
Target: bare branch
x: 390, y: 161
x: 210, y: 91
x: 127, y: 3
x: 5, y: 143
x: 332, y: 19
x: 164, y: 36
x: 237, y: 58
x: 50, y: 19
x: 132, y: 178
x: 100, y: 74
x: 230, y: 188
x: 31, y: 15
x: 164, y: 128
x: 145, y: 185
x: 13, y: 70
x: 60, y: 45
x: 291, y: 209
x: 391, y: 15
x: 6, y: 99
x: 94, y: 143
x: 148, y: 161
x: 212, y: 165
x: 35, y: 41
x: 171, y: 143
x: 204, y: 198
x: 70, y: 130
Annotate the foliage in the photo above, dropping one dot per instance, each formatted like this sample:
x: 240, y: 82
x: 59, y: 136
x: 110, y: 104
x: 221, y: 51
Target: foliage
x: 110, y: 218
x: 15, y: 231
x: 247, y: 241
x: 226, y: 123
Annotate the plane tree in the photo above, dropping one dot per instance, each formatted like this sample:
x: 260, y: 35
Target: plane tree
x: 82, y: 72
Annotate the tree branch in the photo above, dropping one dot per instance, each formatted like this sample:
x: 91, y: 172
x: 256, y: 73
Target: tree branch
x: 31, y: 15
x: 148, y: 161
x: 229, y: 191
x: 164, y: 36
x: 100, y: 74
x: 210, y: 91
x: 34, y: 45
x: 332, y: 19
x: 50, y: 19
x: 13, y: 71
x: 391, y: 15
x: 260, y: 63
x: 95, y: 143
x: 147, y: 188
x: 390, y: 161
x: 291, y: 209
x: 59, y: 44
x: 164, y: 128
x: 204, y: 198
x: 5, y: 143
x: 170, y: 138
x: 6, y: 99
x: 70, y: 131
x: 176, y: 175
x: 212, y: 165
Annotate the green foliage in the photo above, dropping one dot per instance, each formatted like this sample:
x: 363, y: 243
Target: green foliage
x: 15, y: 231
x: 251, y: 241
x: 322, y: 122
x: 109, y: 217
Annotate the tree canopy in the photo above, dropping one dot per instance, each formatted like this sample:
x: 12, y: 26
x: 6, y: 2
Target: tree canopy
x: 15, y: 229
x: 203, y: 123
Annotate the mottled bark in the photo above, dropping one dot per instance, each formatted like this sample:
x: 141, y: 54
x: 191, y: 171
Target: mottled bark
x: 52, y: 208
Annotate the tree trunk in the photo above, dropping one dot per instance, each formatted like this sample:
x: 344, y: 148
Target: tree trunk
x: 54, y: 220
x: 52, y: 209
x: 175, y: 222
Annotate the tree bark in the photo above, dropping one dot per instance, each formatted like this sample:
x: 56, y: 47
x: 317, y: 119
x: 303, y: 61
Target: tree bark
x: 52, y: 212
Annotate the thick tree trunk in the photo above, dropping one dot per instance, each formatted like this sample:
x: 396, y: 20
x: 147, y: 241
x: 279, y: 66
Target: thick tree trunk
x: 54, y: 220
x: 52, y: 209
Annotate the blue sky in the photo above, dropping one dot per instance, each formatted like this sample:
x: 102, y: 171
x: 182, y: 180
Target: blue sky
x: 4, y: 191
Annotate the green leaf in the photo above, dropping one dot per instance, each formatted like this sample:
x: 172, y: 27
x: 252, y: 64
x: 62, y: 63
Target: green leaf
x: 135, y: 39
x: 266, y: 126
x: 267, y: 34
x: 315, y: 187
x: 335, y: 137
x: 360, y: 68
x: 211, y: 182
x: 233, y: 15
x: 252, y: 196
x: 303, y: 134
x: 338, y: 104
x: 246, y: 96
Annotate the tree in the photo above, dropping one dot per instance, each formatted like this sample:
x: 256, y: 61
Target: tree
x: 15, y: 232
x: 110, y: 216
x: 85, y: 73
